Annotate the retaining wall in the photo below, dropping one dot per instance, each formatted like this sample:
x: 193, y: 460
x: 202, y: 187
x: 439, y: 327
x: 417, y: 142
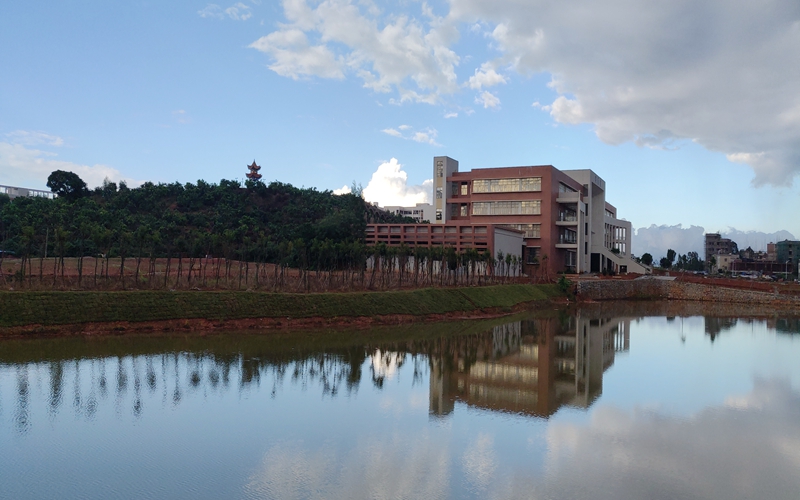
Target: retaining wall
x: 656, y: 289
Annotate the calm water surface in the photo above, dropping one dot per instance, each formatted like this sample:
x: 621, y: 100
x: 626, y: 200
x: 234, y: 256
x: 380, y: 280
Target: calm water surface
x: 586, y: 406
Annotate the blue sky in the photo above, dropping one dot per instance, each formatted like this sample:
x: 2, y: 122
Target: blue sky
x: 691, y: 113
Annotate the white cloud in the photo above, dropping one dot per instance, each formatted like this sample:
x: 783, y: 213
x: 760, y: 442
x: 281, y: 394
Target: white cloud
x: 487, y: 99
x: 426, y: 136
x: 295, y: 57
x: 343, y: 190
x: 392, y: 132
x: 29, y: 138
x: 451, y: 115
x: 655, y: 240
x: 237, y: 11
x: 388, y: 53
x: 28, y: 167
x: 389, y: 186
x: 726, y: 76
x: 486, y: 76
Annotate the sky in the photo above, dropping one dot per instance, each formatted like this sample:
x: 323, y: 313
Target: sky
x: 690, y: 111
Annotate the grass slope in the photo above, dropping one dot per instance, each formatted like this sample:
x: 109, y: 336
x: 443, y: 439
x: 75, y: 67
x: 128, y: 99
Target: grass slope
x: 62, y: 308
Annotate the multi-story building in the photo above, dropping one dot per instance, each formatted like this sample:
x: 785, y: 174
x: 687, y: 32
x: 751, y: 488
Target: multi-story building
x: 788, y: 253
x: 566, y: 221
x: 420, y: 212
x: 716, y: 245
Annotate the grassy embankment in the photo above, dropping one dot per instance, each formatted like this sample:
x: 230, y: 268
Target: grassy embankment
x: 66, y: 308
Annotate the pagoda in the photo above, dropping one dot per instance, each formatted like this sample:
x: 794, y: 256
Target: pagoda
x: 253, y: 175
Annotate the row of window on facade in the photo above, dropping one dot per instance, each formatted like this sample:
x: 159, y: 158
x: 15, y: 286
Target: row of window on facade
x: 519, y: 185
x: 532, y: 207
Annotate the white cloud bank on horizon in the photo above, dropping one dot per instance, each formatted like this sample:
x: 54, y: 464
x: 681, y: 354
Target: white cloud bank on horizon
x: 656, y: 240
x: 22, y: 165
x: 389, y: 186
x: 725, y: 74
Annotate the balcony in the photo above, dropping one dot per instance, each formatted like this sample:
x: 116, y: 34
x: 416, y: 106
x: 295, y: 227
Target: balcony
x: 568, y: 197
x: 568, y: 240
x: 567, y: 218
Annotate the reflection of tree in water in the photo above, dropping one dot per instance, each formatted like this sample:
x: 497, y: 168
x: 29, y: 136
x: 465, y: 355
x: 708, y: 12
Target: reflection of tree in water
x: 129, y: 383
x: 177, y: 375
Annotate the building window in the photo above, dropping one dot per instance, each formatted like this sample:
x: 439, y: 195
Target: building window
x: 440, y: 168
x: 438, y: 193
x: 464, y: 210
x: 531, y: 230
x: 533, y: 207
x: 563, y: 188
x: 464, y: 189
x: 532, y: 255
x: 453, y: 210
x: 507, y: 185
x: 438, y: 214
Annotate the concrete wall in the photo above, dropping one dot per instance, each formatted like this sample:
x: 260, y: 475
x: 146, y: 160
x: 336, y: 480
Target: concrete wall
x: 675, y: 290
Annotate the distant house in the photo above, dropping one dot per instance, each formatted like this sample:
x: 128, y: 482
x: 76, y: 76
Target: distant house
x: 17, y: 192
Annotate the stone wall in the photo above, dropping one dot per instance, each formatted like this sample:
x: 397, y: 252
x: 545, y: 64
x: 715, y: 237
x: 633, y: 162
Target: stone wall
x: 656, y: 289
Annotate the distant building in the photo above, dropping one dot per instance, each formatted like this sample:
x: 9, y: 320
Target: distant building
x: 716, y: 245
x: 17, y: 192
x: 419, y: 212
x: 724, y: 262
x: 788, y: 253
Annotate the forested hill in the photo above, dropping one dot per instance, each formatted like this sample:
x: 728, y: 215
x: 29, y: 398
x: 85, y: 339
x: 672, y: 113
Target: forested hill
x: 256, y: 221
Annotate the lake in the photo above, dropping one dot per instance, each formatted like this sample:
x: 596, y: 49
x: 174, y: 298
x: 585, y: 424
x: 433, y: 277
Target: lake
x: 587, y: 404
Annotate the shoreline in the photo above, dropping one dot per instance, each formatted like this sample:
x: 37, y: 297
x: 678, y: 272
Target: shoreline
x: 203, y: 326
x: 25, y: 314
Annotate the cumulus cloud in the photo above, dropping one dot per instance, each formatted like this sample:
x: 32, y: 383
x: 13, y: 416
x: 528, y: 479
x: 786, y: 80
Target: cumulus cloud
x: 295, y: 57
x: 237, y: 12
x: 725, y: 75
x: 487, y: 99
x: 343, y: 190
x: 29, y: 167
x: 386, y: 52
x: 389, y: 187
x: 426, y: 136
x: 486, y: 77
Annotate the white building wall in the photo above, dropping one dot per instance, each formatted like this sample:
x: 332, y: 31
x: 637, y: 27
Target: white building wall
x: 510, y: 243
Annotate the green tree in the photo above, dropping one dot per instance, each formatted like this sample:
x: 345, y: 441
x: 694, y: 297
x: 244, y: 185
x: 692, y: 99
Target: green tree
x: 67, y: 185
x: 647, y: 259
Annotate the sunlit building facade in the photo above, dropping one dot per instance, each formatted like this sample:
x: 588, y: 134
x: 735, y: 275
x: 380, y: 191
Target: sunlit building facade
x: 566, y: 221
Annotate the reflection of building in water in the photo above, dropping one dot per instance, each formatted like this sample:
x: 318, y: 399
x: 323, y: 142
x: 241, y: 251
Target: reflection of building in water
x: 714, y: 326
x: 531, y: 367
